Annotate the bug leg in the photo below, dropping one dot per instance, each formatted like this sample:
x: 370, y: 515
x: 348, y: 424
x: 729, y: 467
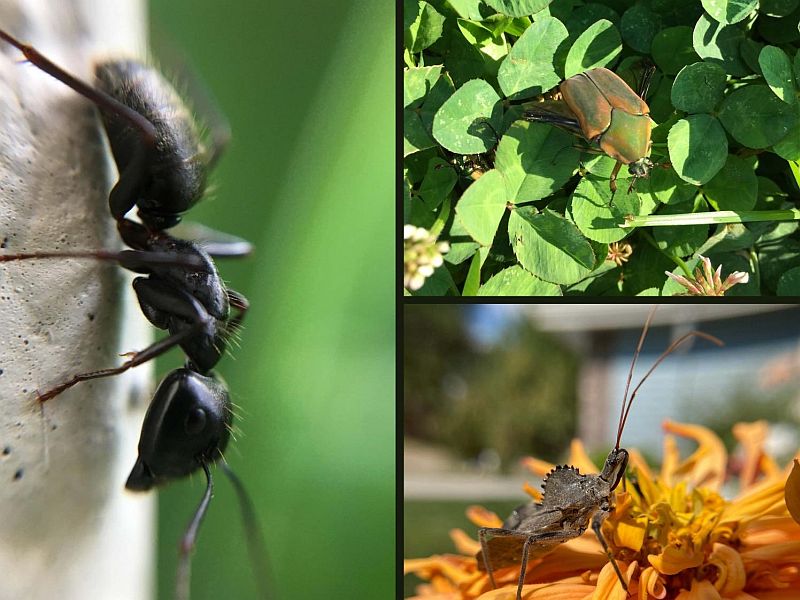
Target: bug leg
x: 597, y: 522
x: 613, y: 181
x: 136, y: 359
x: 183, y: 578
x: 123, y: 196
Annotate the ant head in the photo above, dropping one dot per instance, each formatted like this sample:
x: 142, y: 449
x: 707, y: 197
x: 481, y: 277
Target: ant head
x: 187, y: 425
x: 614, y: 469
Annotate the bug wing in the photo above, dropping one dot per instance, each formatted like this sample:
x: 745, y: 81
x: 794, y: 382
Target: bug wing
x: 217, y: 243
x: 506, y: 551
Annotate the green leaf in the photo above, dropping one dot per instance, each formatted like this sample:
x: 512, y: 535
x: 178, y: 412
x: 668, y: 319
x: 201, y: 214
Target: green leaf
x: 730, y: 11
x: 415, y: 138
x: 481, y: 207
x: 685, y: 240
x: 777, y: 8
x: 719, y: 44
x: 516, y: 281
x: 467, y: 9
x: 596, y: 214
x: 598, y: 46
x: 665, y: 186
x: 549, y: 246
x: 461, y: 245
x: 698, y: 148
x: 473, y: 280
x: 672, y: 49
x: 417, y: 82
x: 426, y: 27
x: 439, y: 181
x: 639, y: 26
x: 777, y: 70
x: 528, y: 69
x: 460, y: 125
x: 698, y: 87
x: 789, y: 285
x: 492, y: 46
x: 735, y: 187
x: 780, y: 31
x: 536, y: 160
x: 518, y: 8
x: 755, y: 117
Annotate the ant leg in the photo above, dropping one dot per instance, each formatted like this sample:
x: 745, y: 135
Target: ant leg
x: 123, y: 196
x: 597, y: 521
x: 133, y: 260
x: 136, y: 359
x: 183, y: 578
x: 155, y: 300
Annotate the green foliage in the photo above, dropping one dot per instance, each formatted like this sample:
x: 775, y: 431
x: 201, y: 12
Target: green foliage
x: 516, y: 397
x: 527, y: 207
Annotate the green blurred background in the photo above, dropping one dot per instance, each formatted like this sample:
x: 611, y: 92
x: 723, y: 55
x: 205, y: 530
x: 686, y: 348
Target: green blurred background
x: 308, y: 177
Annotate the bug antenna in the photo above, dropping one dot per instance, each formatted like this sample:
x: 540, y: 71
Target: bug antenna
x: 183, y: 578
x: 672, y: 347
x: 624, y: 411
x: 256, y: 547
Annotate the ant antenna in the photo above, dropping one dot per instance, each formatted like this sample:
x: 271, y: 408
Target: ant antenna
x: 627, y: 402
x: 256, y: 547
x: 183, y: 578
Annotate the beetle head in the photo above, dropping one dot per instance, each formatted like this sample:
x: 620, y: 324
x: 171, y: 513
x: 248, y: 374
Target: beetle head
x: 187, y: 425
x: 614, y: 469
x: 641, y: 168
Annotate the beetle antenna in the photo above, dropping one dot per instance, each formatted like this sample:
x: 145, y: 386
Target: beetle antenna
x: 259, y: 559
x: 183, y: 578
x: 672, y: 347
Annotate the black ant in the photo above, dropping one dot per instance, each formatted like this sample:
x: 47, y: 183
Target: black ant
x: 162, y: 168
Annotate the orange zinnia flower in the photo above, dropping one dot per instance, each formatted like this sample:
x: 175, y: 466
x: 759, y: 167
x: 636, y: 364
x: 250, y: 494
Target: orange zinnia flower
x: 673, y: 535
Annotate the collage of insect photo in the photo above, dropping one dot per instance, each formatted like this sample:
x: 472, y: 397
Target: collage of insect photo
x: 600, y: 312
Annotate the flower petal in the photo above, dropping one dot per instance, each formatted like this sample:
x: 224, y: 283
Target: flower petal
x: 701, y: 590
x: 651, y: 583
x: 482, y: 517
x: 536, y: 466
x: 463, y: 543
x: 792, y: 491
x: 752, y: 437
x: 732, y: 576
x: 579, y: 459
x: 674, y: 560
x: 706, y: 466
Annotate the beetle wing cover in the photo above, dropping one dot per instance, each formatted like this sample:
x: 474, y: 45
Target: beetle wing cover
x: 628, y: 139
x: 617, y: 92
x: 589, y: 105
x: 594, y: 94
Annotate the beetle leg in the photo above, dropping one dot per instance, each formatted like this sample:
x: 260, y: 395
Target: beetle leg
x: 613, y: 182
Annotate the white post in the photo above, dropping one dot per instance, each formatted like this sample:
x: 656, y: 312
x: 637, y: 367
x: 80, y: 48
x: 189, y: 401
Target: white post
x: 68, y: 528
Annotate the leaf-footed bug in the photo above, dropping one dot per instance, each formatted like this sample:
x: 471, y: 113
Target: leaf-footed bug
x: 571, y: 501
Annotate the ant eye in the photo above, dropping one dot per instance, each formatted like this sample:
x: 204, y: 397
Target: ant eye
x: 195, y: 421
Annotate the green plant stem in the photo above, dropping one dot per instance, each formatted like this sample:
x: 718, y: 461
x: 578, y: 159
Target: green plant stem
x: 677, y: 260
x: 712, y: 218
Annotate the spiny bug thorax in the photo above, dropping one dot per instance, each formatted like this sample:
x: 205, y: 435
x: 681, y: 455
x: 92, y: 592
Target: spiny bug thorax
x: 188, y: 423
x: 176, y: 174
x: 614, y: 467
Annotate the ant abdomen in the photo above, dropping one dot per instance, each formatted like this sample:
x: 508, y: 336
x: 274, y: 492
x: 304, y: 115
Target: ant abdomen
x: 174, y: 176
